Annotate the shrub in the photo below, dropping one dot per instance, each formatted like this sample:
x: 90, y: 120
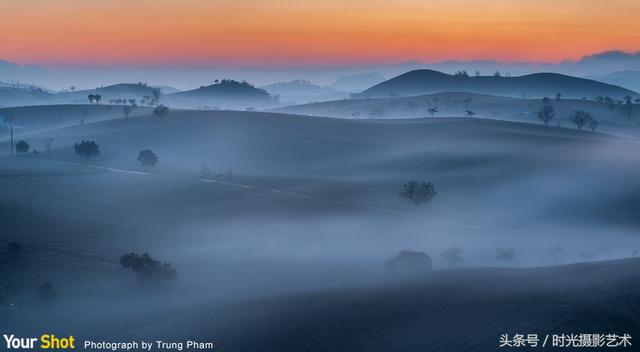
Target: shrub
x: 161, y: 111
x: 148, y: 269
x: 87, y: 149
x: 147, y: 157
x: 46, y: 292
x: 22, y: 147
x: 417, y: 193
x: 15, y: 248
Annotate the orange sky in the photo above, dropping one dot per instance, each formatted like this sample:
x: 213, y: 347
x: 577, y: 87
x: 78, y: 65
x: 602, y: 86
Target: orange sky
x: 305, y: 32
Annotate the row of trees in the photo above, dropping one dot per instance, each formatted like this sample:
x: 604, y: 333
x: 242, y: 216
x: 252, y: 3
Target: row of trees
x: 147, y: 100
x: 579, y: 117
x: 159, y: 111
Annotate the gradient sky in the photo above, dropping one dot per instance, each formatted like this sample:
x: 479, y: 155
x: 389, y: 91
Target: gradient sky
x: 285, y: 33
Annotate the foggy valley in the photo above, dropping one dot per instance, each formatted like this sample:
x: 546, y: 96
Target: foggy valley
x: 357, y: 201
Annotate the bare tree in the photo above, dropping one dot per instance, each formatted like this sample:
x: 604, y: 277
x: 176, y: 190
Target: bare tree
x: 546, y: 114
x: 356, y: 115
x: 580, y: 118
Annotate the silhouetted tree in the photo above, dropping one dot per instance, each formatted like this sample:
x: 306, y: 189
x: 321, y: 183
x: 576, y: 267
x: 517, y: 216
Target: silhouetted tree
x: 147, y: 269
x: 470, y: 113
x: 146, y: 101
x: 477, y: 73
x: 87, y: 149
x: 161, y: 111
x: 497, y: 74
x: 22, y: 147
x: 356, y: 115
x: 461, y: 74
x: 453, y: 256
x: 433, y: 111
x: 580, y: 118
x: 147, y: 157
x: 593, y: 124
x: 546, y: 101
x: 417, y: 193
x: 156, y: 93
x: 558, y: 96
x: 127, y: 109
x: 91, y: 98
x: 546, y: 114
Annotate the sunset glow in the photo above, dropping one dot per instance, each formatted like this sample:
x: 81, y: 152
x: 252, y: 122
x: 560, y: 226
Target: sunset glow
x: 304, y: 33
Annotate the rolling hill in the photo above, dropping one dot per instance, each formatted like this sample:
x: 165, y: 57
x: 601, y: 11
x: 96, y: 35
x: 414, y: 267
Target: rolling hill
x: 283, y: 243
x: 225, y: 94
x: 419, y: 82
x: 628, y: 79
x: 612, y: 116
x: 423, y: 313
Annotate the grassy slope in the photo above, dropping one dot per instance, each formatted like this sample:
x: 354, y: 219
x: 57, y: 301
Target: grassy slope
x: 481, y: 167
x: 28, y: 119
x: 461, y: 310
x: 456, y: 104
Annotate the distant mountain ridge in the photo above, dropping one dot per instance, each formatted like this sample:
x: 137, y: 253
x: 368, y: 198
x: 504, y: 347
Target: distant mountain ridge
x: 627, y: 79
x: 419, y: 82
